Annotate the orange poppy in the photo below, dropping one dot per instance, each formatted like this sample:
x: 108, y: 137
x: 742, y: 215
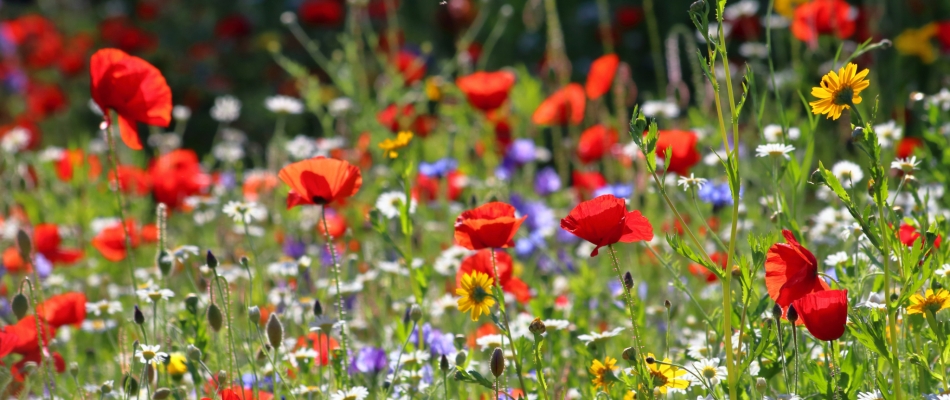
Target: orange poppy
x: 132, y: 179
x: 398, y: 119
x: 601, y: 76
x: 111, y: 241
x: 791, y: 271
x: 488, y: 226
x: 564, y: 106
x: 320, y: 181
x: 135, y: 89
x: 65, y: 309
x: 821, y: 17
x: 486, y: 91
x: 595, y: 142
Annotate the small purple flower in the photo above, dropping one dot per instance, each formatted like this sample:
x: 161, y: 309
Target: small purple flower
x: 369, y: 360
x: 717, y: 194
x: 619, y: 190
x: 521, y: 151
x: 547, y: 181
x: 43, y: 266
x: 439, y: 168
x: 294, y: 248
x: 438, y: 343
x: 564, y: 236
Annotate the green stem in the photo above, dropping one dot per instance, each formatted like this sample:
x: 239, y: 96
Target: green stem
x: 120, y: 204
x: 656, y: 51
x: 504, y: 316
x: 891, y: 317
x: 539, y: 366
x: 628, y: 299
x: 339, y: 295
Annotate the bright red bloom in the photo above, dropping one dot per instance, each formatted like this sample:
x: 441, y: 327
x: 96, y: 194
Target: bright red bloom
x: 320, y: 181
x: 791, y: 271
x: 822, y: 17
x: 906, y: 146
x: 824, y: 313
x: 684, y: 154
x: 397, y: 119
x: 27, y: 337
x: 488, y: 226
x: 111, y: 241
x: 64, y: 309
x: 256, y: 183
x: 908, y: 235
x: 430, y: 188
x: 321, y: 12
x: 595, y: 142
x: 336, y: 224
x: 176, y: 175
x: 77, y: 159
x: 41, y: 44
x: 601, y: 76
x: 8, y: 341
x: 135, y: 89
x: 234, y: 26
x: 75, y: 54
x: 562, y: 107
x: 486, y: 91
x: 411, y: 66
x: 604, y: 220
x: 481, y: 262
x: 132, y: 179
x: 238, y: 392
x: 43, y: 100
x: 718, y: 258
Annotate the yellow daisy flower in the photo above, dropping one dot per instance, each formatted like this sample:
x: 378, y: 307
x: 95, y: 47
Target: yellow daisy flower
x: 916, y: 42
x: 476, y: 294
x: 392, y: 146
x: 631, y: 395
x: 177, y: 365
x: 599, y: 372
x: 932, y: 302
x: 666, y: 376
x: 839, y: 90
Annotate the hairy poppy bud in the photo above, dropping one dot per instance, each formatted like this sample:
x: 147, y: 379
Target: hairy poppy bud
x: 460, y: 358
x: 74, y: 369
x: 497, y: 362
x: 164, y: 261
x: 193, y: 353
x: 760, y: 384
x: 254, y: 313
x: 857, y: 133
x: 106, y: 387
x: 777, y: 311
x: 161, y: 394
x: 650, y: 360
x: 191, y: 303
x: 215, y: 319
x: 317, y: 308
x: 697, y: 6
x: 537, y: 327
x: 275, y: 331
x: 415, y: 313
x: 211, y: 260
x: 444, y: 363
x: 137, y: 315
x: 791, y: 314
x: 222, y: 376
x: 20, y: 306
x: 628, y: 280
x: 130, y: 384
x: 629, y: 354
x: 667, y: 304
x: 23, y: 241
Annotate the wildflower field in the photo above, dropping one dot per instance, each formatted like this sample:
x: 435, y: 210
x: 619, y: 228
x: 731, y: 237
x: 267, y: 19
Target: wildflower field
x: 474, y: 199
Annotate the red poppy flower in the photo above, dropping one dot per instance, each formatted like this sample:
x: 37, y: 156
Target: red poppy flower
x: 943, y: 34
x: 486, y: 91
x: 41, y: 44
x: 8, y: 341
x: 256, y: 183
x: 111, y: 241
x: 75, y: 53
x: 481, y: 262
x: 605, y: 220
x: 175, y: 176
x: 411, y: 66
x: 822, y: 17
x: 488, y: 226
x: 321, y: 12
x: 397, y: 119
x: 238, y: 392
x: 27, y: 337
x: 46, y: 241
x: 601, y: 76
x: 595, y: 142
x: 75, y: 158
x: 908, y: 235
x: 563, y: 107
x: 629, y: 16
x: 132, y: 179
x: 588, y: 182
x: 121, y: 33
x: 320, y: 181
x: 336, y: 224
x: 791, y: 271
x: 325, y: 345
x: 824, y: 313
x: 234, y: 26
x: 906, y: 146
x: 684, y: 154
x: 43, y: 100
x: 430, y: 188
x: 64, y: 309
x: 135, y: 89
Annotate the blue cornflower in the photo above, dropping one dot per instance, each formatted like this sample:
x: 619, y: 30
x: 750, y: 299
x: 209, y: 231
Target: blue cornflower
x: 439, y: 168
x: 370, y: 360
x: 547, y: 181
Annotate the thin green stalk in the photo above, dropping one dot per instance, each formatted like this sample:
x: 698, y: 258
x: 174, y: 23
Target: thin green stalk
x: 120, y: 204
x: 504, y: 316
x: 891, y: 317
x: 496, y: 32
x: 339, y: 294
x: 628, y: 299
x: 656, y: 50
x: 402, y: 351
x: 539, y: 366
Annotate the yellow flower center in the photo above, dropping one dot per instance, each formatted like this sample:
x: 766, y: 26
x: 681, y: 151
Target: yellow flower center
x: 709, y: 372
x: 479, y: 294
x: 659, y: 379
x: 148, y: 354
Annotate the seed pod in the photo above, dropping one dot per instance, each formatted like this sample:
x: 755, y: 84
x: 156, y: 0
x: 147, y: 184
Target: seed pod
x: 444, y: 363
x: 415, y: 313
x: 164, y: 261
x: 760, y: 384
x: 130, y: 384
x: 20, y: 306
x: 106, y: 388
x: 254, y: 314
x: 460, y: 358
x: 650, y: 360
x: 137, y: 315
x: 215, y: 319
x: 161, y: 394
x: 23, y: 241
x: 275, y: 331
x: 629, y: 354
x: 497, y: 362
x: 537, y: 327
x: 628, y: 280
x: 211, y: 260
x: 222, y: 376
x: 317, y: 308
x: 791, y: 314
x: 193, y: 353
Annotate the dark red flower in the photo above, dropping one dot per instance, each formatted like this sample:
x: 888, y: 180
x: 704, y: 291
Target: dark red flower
x: 320, y: 181
x: 684, y: 154
x: 110, y: 241
x: 176, y: 176
x: 65, y: 309
x: 135, y: 89
x: 75, y: 54
x: 628, y: 16
x: 121, y: 33
x: 486, y: 91
x: 562, y: 107
x: 234, y: 26
x: 8, y: 341
x: 411, y: 66
x: 481, y: 262
x: 321, y: 12
x: 824, y: 313
x: 604, y: 220
x: 37, y: 38
x: 429, y: 189
x: 595, y: 142
x: 906, y: 146
x: 718, y: 258
x: 43, y: 100
x: 943, y: 34
x: 588, y: 182
x: 791, y: 271
x: 908, y: 235
x: 601, y: 76
x: 492, y: 225
x: 405, y: 118
x: 823, y: 17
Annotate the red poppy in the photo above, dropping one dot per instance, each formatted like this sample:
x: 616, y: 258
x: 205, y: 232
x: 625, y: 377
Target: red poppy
x: 684, y: 154
x: 563, y: 107
x: 628, y: 16
x: 595, y: 142
x: 238, y: 392
x: 430, y: 188
x: 132, y: 179
x: 481, y: 262
x: 503, y: 135
x: 601, y: 76
x: 791, y: 271
x: 943, y: 34
x: 324, y: 347
x: 41, y: 44
x: 908, y: 235
x: 150, y: 233
x: 321, y: 12
x: 906, y: 146
x: 488, y: 226
x: 135, y: 89
x: 175, y: 176
x: 256, y: 183
x: 64, y: 309
x: 46, y: 241
x: 336, y: 224
x: 605, y: 220
x: 111, y: 241
x: 588, y: 182
x: 76, y: 158
x: 822, y: 17
x: 121, y: 33
x: 320, y: 181
x: 75, y: 53
x: 824, y: 313
x: 397, y: 119
x: 411, y: 66
x: 27, y: 337
x: 486, y: 91
x: 234, y: 26
x: 43, y: 100
x: 8, y: 341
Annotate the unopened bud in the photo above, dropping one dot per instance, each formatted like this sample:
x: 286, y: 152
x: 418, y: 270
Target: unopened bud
x: 777, y: 311
x: 628, y: 280
x: 24, y: 243
x: 275, y: 331
x: 161, y: 394
x: 650, y: 360
x: 697, y: 6
x: 415, y: 313
x: 20, y: 306
x: 857, y: 133
x: 667, y: 304
x: 760, y: 384
x: 164, y: 261
x: 106, y: 387
x: 222, y: 376
x: 460, y: 341
x: 137, y: 315
x: 74, y: 369
x: 444, y: 363
x: 130, y: 384
x: 317, y: 308
x: 193, y: 353
x: 460, y: 358
x: 29, y: 367
x: 215, y: 318
x: 254, y: 314
x: 191, y: 302
x: 791, y: 314
x: 497, y: 362
x: 629, y: 354
x: 211, y: 260
x: 537, y: 327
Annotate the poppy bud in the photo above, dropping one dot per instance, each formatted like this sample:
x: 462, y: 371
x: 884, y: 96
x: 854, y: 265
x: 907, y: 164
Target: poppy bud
x: 537, y: 327
x: 20, y: 306
x: 317, y: 308
x: 760, y: 384
x: 460, y: 341
x: 245, y: 262
x: 817, y: 178
x: 191, y: 303
x: 193, y: 353
x: 857, y: 134
x: 106, y: 388
x: 736, y: 272
x: 29, y: 367
x: 667, y: 304
x: 497, y: 362
x: 254, y: 314
x: 697, y: 6
x: 777, y: 311
x: 405, y: 316
x: 222, y: 376
x: 215, y: 319
x: 444, y: 363
x: 137, y: 315
x: 164, y: 262
x: 460, y: 358
x: 650, y: 360
x: 791, y: 314
x: 23, y: 241
x: 211, y: 260
x: 74, y: 369
x: 415, y: 313
x: 161, y: 394
x: 130, y: 384
x: 275, y: 331
x: 629, y: 354
x: 895, y: 295
x: 628, y: 280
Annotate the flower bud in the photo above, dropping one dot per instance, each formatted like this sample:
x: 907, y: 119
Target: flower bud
x: 791, y: 314
x: 497, y: 362
x: 667, y: 304
x: 415, y: 313
x: 23, y: 241
x: 106, y: 387
x: 74, y: 369
x: 317, y: 308
x: 760, y: 384
x: 130, y: 384
x: 628, y: 280
x: 254, y: 314
x: 193, y: 353
x: 215, y: 319
x: 460, y: 358
x: 275, y: 331
x: 650, y: 360
x: 444, y: 363
x: 460, y: 341
x: 211, y: 260
x: 191, y: 303
x: 537, y: 327
x: 857, y: 133
x: 777, y: 311
x: 137, y: 315
x: 161, y: 394
x: 20, y: 306
x: 164, y: 261
x: 29, y: 367
x: 288, y: 17
x: 222, y: 376
x: 697, y: 6
x: 629, y: 354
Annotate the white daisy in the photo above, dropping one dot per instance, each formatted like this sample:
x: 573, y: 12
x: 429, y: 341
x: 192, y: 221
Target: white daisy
x: 875, y: 301
x: 103, y: 307
x: 773, y: 133
x: 907, y: 165
x: 301, y: 147
x: 595, y: 337
x: 283, y: 105
x: 943, y: 271
x: 744, y: 8
x: 340, y: 106
x: 691, y: 182
x: 226, y: 109
x: 556, y: 324
x: 150, y: 354
x: 708, y: 369
x: 665, y: 109
x: 774, y: 150
x: 154, y: 294
x: 489, y: 342
x: 228, y: 152
x: 875, y: 395
x: 246, y: 212
x: 390, y: 204
x: 848, y: 173
x: 15, y: 140
x: 837, y: 258
x: 97, y: 325
x: 888, y: 133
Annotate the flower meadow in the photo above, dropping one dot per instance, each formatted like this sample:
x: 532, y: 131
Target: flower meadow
x: 475, y: 199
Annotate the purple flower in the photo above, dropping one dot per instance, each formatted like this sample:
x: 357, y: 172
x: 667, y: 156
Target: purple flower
x: 439, y: 168
x: 294, y: 248
x: 521, y: 151
x: 438, y: 343
x: 547, y: 181
x: 719, y: 195
x: 369, y: 360
x: 619, y: 190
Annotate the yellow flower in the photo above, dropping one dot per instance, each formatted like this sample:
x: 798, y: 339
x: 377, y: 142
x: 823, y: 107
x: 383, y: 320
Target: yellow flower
x: 933, y: 302
x: 434, y: 88
x: 177, y: 365
x: 599, y: 372
x: 666, y: 376
x: 839, y: 91
x: 916, y: 42
x: 391, y: 146
x: 787, y: 7
x: 476, y: 294
x: 631, y: 395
